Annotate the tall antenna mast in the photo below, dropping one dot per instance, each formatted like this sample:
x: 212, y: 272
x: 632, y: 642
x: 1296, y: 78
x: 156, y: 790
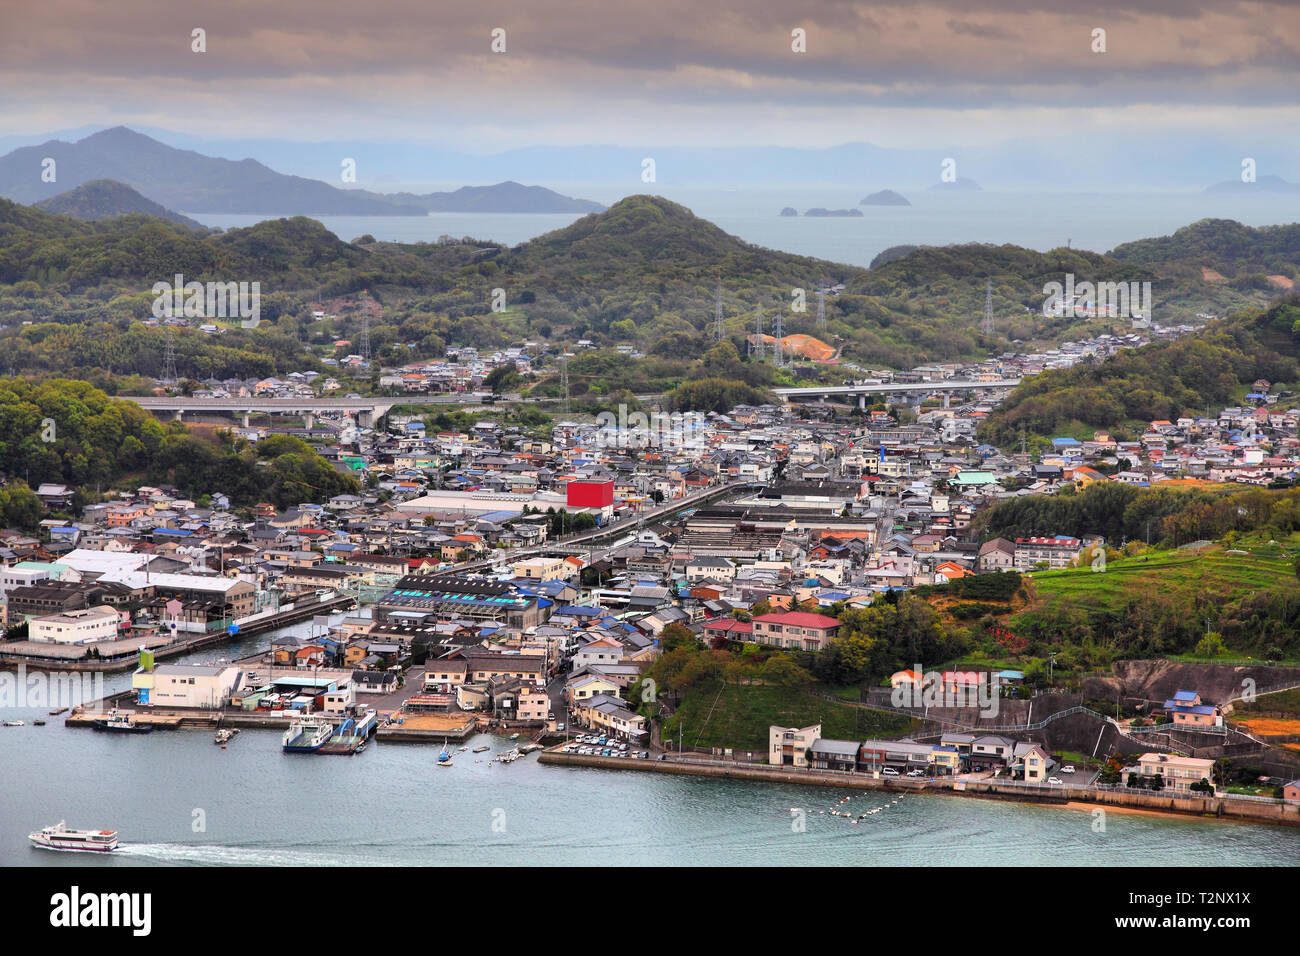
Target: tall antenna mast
x: 756, y: 347
x: 718, y: 333
x: 988, y: 307
x: 821, y: 307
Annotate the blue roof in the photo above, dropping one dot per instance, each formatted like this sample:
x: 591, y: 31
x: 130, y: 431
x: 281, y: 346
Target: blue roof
x: 176, y: 531
x: 1058, y: 442
x: 1010, y: 675
x: 1185, y: 695
x: 576, y: 610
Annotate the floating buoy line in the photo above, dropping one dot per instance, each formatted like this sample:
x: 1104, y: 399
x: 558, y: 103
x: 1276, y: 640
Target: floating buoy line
x: 839, y: 811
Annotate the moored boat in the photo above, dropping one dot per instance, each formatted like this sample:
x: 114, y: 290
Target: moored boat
x: 307, y: 735
x: 120, y: 723
x: 60, y: 837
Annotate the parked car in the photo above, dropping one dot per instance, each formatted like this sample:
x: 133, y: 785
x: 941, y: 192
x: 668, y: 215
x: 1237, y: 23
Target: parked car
x: 890, y: 772
x: 1055, y: 781
x: 916, y: 773
x: 1067, y: 770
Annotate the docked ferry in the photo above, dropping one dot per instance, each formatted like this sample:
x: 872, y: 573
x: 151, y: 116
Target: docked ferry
x: 307, y: 735
x: 59, y: 837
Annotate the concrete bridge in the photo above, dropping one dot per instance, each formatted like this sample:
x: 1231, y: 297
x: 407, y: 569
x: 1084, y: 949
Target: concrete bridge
x: 946, y: 387
x: 366, y: 410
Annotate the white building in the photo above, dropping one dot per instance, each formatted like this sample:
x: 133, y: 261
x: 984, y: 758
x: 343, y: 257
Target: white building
x: 188, y: 685
x: 85, y: 626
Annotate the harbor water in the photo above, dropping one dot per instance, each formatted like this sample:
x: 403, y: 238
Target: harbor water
x: 180, y: 800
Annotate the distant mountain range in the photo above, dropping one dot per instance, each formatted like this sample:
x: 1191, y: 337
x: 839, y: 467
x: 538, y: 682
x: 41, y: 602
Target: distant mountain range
x: 105, y: 199
x: 184, y: 179
x: 1264, y: 184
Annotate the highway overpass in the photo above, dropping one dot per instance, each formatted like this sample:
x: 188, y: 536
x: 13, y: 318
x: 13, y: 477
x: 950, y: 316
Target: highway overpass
x: 366, y: 410
x: 946, y: 387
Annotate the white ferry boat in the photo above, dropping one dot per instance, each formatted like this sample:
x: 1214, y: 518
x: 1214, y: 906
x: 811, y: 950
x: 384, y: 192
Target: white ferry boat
x: 307, y: 735
x: 59, y: 837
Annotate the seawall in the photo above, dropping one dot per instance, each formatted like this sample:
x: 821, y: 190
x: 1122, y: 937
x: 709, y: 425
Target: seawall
x: 1222, y: 808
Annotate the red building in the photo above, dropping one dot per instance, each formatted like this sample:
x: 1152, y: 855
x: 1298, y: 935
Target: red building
x: 590, y: 494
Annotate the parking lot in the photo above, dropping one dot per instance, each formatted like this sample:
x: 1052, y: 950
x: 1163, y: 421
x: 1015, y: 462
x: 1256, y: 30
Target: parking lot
x: 599, y: 745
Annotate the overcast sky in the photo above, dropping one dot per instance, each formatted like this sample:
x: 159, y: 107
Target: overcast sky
x: 674, y: 72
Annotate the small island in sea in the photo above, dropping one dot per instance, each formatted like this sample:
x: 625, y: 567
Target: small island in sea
x: 885, y: 197
x: 789, y: 211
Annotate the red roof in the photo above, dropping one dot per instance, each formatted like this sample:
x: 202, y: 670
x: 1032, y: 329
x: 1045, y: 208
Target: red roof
x: 730, y: 626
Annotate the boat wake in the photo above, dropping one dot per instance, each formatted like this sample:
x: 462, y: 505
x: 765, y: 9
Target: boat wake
x: 211, y: 854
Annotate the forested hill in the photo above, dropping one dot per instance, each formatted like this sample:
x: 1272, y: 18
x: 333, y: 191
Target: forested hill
x: 644, y: 272
x: 107, y: 199
x: 105, y: 441
x: 1235, y: 251
x: 1193, y: 375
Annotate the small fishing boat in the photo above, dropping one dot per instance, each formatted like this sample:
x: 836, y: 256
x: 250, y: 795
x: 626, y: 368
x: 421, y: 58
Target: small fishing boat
x: 38, y: 723
x: 14, y: 723
x: 61, y: 710
x: 224, y: 734
x: 120, y: 723
x: 479, y: 750
x: 514, y: 736
x: 444, y: 758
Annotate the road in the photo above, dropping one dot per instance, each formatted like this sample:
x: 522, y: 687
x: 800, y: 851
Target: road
x: 627, y: 524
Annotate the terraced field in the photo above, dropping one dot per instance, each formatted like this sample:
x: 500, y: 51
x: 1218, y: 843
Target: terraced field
x: 1214, y: 572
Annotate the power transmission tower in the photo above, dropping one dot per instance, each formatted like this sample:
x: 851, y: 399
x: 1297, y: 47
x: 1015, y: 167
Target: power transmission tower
x: 988, y: 307
x: 564, y: 379
x: 718, y: 333
x: 363, y: 348
x: 756, y: 346
x: 169, y: 357
x: 778, y: 332
x: 821, y: 307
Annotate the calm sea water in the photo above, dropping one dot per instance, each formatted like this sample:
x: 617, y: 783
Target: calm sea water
x: 392, y: 805
x: 1035, y: 220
